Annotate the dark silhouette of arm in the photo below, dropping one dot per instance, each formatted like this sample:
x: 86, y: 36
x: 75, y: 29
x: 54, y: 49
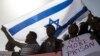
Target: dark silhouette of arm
x: 10, y: 38
x: 90, y: 18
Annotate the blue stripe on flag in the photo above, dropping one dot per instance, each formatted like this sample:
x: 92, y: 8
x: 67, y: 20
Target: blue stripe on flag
x: 39, y: 16
x: 59, y: 30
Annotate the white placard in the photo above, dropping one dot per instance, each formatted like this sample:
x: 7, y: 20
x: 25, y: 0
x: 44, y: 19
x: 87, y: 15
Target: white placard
x: 80, y: 46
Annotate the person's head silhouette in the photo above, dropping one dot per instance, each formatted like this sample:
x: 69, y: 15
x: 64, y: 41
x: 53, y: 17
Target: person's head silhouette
x: 83, y: 28
x: 73, y: 30
x: 50, y: 31
x: 31, y: 37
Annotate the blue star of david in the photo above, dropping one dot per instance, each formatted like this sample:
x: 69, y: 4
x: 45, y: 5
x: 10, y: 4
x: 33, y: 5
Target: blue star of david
x: 56, y: 22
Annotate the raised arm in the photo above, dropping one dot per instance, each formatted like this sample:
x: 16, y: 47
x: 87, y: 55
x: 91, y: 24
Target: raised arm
x: 7, y: 34
x: 10, y: 38
x: 90, y: 17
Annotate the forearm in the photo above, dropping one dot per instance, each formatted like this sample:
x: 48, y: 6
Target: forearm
x: 10, y: 38
x: 7, y: 34
x: 18, y: 44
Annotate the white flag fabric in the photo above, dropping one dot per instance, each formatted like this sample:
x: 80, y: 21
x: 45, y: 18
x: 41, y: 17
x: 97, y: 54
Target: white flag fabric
x: 58, y: 13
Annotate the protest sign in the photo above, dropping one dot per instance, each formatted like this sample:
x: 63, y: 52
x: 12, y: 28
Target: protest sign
x: 80, y: 46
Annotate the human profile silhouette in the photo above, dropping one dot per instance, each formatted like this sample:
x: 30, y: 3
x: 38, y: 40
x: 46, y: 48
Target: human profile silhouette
x: 29, y: 47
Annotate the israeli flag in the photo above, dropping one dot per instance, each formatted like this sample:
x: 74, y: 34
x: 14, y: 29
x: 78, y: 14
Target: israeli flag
x: 58, y: 13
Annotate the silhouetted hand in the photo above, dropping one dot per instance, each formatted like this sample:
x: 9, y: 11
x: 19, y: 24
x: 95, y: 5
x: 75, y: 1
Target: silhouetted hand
x: 90, y: 18
x: 7, y: 35
x: 92, y: 37
x: 90, y: 15
x: 3, y: 29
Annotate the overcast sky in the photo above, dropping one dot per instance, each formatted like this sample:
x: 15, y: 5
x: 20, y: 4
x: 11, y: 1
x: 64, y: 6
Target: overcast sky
x: 12, y: 9
x: 94, y: 6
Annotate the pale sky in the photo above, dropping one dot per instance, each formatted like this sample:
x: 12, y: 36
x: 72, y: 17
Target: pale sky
x: 12, y: 9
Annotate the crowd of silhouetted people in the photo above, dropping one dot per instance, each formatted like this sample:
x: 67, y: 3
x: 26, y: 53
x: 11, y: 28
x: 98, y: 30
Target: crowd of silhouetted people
x: 52, y: 44
x: 92, y: 26
x: 31, y: 46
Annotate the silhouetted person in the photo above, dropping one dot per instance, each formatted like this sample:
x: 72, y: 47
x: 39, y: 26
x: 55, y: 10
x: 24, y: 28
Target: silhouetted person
x: 51, y: 44
x: 83, y: 28
x: 72, y: 30
x: 28, y: 48
x: 93, y: 21
x: 95, y: 25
